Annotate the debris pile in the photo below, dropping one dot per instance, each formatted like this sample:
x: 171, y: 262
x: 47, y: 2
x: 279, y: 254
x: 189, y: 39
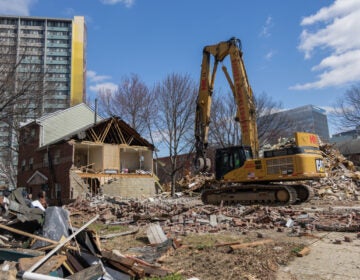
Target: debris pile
x: 190, y: 183
x: 187, y: 215
x: 342, y: 181
x: 36, y: 243
x: 57, y: 247
x: 58, y: 242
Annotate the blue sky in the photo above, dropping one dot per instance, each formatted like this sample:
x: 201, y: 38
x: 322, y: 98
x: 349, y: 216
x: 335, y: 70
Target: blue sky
x: 298, y: 52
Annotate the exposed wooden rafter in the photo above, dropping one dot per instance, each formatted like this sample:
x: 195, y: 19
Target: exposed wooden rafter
x: 94, y: 136
x: 122, y: 138
x: 106, y: 131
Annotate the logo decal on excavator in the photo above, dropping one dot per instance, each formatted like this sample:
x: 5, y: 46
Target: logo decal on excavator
x: 319, y: 165
x: 313, y: 139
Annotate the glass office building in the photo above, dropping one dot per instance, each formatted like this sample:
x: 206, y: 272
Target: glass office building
x: 308, y: 118
x: 312, y: 119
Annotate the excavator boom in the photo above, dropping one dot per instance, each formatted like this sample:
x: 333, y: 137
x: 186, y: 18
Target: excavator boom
x: 242, y: 93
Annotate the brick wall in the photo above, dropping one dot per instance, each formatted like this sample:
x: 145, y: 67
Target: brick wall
x: 53, y: 161
x: 135, y: 187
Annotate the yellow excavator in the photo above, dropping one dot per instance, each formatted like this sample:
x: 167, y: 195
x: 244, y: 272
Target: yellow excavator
x: 241, y: 176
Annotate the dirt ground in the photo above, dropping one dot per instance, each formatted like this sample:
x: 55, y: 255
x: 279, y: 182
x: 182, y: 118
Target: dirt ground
x: 206, y: 257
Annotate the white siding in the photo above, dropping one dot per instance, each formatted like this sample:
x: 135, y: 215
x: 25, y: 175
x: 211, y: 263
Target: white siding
x: 62, y: 123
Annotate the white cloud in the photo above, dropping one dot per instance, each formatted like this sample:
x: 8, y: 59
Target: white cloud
x: 344, y: 69
x: 335, y: 31
x: 127, y: 3
x: 265, y: 31
x: 103, y: 87
x: 329, y: 110
x: 97, y: 82
x: 16, y: 7
x: 95, y: 78
x: 338, y: 9
x: 270, y: 55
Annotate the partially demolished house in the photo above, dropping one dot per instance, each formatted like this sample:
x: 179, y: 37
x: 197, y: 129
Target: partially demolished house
x: 74, y: 153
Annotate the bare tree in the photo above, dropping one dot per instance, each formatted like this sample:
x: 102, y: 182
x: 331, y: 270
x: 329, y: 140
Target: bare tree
x: 131, y: 101
x: 225, y: 131
x: 22, y: 85
x: 22, y: 89
x: 271, y: 124
x: 347, y: 109
x: 174, y: 123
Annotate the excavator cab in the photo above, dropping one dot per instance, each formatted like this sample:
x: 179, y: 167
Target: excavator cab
x: 230, y: 158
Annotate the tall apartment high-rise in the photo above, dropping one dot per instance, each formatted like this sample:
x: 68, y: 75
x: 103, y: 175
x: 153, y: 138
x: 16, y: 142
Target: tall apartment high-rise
x: 50, y: 52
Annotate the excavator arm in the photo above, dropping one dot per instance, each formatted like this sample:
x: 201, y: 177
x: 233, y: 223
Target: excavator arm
x: 242, y: 93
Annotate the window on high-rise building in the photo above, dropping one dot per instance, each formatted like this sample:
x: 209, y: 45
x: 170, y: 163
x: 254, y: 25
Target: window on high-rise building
x: 7, y: 21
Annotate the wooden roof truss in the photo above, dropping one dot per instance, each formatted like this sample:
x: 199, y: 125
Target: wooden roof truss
x: 115, y: 131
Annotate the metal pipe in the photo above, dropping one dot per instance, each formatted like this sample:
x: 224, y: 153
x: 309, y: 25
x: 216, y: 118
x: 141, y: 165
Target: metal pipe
x: 37, y: 276
x: 96, y: 109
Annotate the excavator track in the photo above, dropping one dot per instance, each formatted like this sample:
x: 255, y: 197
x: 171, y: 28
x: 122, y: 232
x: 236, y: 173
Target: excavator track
x: 304, y: 193
x: 267, y: 194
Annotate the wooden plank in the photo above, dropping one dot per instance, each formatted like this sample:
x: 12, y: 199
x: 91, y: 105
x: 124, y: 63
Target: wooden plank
x: 149, y: 268
x: 91, y: 273
x: 4, y: 238
x: 24, y: 233
x: 252, y: 244
x: 155, y: 234
x: 25, y: 263
x: 120, y: 259
x: 305, y: 251
x: 123, y: 263
x: 52, y: 264
x: 74, y: 262
x: 69, y: 268
x: 154, y: 271
x: 122, y: 268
